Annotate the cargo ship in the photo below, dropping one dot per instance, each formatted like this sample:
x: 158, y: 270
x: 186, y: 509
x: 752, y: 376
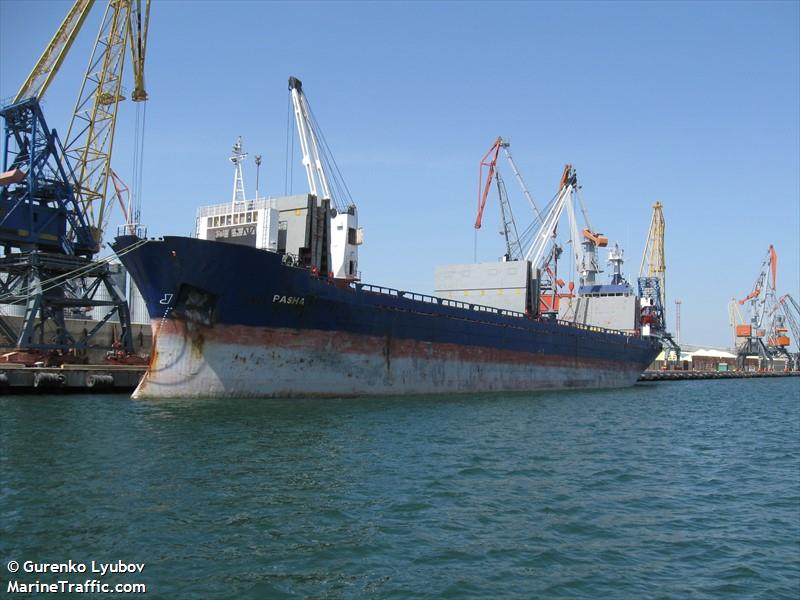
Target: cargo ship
x: 231, y: 320
x: 266, y: 300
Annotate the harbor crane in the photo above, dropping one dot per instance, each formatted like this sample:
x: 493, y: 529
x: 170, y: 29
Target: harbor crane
x: 53, y: 195
x: 515, y: 242
x: 538, y: 242
x: 652, y: 283
x: 751, y: 335
x: 539, y: 237
x: 585, y: 241
x: 654, y: 264
x: 509, y: 225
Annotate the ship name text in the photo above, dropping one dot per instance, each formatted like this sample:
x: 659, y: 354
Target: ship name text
x: 296, y: 300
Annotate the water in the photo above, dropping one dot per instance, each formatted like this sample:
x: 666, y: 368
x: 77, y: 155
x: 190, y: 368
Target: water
x: 669, y: 490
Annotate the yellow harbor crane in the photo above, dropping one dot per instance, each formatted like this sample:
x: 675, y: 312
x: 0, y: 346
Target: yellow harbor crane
x: 653, y: 286
x: 654, y: 263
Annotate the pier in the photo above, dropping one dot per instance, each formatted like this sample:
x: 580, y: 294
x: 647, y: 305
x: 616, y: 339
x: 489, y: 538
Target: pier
x: 684, y: 375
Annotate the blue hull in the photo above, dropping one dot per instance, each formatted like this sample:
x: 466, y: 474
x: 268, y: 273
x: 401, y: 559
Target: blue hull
x: 208, y: 299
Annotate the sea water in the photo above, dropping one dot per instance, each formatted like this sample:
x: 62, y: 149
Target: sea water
x: 670, y: 490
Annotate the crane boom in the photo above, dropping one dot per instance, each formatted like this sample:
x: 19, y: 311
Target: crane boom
x: 513, y: 247
x: 505, y: 145
x: 483, y: 191
x: 547, y: 231
x: 791, y: 312
x: 322, y: 173
x: 90, y: 137
x: 49, y: 62
x: 309, y: 144
x: 654, y: 264
x: 509, y: 231
x: 760, y: 303
x: 573, y: 233
x: 585, y: 241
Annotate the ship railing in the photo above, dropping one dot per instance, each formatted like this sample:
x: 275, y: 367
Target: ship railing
x: 132, y: 229
x: 377, y: 289
x: 595, y: 328
x: 227, y: 208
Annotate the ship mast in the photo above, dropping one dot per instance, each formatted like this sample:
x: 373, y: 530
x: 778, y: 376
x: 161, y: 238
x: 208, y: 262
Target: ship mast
x: 237, y: 158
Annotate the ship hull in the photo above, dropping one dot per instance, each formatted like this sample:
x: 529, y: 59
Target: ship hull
x: 235, y: 322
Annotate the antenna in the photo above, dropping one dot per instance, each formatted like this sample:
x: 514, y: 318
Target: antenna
x: 615, y: 259
x: 258, y: 169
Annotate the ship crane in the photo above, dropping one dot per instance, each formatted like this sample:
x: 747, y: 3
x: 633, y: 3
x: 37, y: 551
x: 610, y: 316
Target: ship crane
x: 309, y: 144
x: 53, y: 196
x: 326, y: 184
x: 751, y: 336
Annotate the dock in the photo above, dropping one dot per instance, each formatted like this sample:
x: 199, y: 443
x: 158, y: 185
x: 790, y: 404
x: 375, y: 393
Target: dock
x: 684, y: 375
x: 19, y: 379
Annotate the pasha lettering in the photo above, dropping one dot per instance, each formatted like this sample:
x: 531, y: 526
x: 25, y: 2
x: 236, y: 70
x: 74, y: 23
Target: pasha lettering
x: 298, y: 300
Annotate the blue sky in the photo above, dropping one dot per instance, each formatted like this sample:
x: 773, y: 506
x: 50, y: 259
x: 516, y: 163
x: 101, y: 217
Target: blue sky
x: 692, y: 104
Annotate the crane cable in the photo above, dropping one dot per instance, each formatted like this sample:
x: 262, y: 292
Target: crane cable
x: 288, y: 170
x: 135, y: 202
x: 335, y: 177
